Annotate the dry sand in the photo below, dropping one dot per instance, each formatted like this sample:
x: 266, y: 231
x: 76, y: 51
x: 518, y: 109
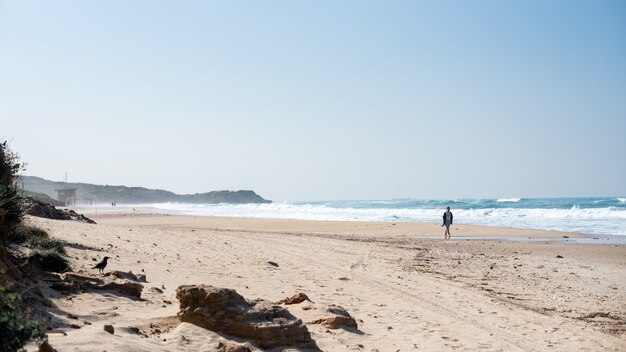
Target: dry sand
x: 407, y: 292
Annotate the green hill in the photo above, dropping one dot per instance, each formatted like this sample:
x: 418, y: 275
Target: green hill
x: 86, y: 192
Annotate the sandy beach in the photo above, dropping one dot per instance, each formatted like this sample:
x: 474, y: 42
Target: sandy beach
x: 229, y: 176
x: 406, y: 290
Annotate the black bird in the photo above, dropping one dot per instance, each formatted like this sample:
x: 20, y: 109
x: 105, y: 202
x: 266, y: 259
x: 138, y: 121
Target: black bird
x: 100, y: 266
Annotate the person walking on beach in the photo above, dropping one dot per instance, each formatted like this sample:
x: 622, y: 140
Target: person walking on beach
x: 447, y: 221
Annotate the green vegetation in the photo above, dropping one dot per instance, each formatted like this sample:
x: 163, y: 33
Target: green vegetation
x: 48, y: 253
x: 10, y: 202
x: 35, y: 238
x: 49, y: 260
x: 15, y: 330
x: 135, y: 195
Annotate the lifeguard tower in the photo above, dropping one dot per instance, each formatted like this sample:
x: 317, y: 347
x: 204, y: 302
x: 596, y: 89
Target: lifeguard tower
x: 67, y: 196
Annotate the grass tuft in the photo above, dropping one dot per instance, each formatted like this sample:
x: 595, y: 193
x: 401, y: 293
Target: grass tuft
x: 47, y: 253
x: 49, y: 260
x: 36, y: 238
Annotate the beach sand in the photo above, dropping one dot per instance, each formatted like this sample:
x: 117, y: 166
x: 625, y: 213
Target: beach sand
x: 407, y: 291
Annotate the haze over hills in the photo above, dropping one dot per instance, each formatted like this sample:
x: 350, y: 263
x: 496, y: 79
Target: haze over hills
x: 86, y: 192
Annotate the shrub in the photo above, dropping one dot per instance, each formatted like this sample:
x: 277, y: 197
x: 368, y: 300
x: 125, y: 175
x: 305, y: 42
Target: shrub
x: 35, y: 238
x: 15, y: 330
x: 10, y: 202
x: 49, y: 260
x: 24, y: 233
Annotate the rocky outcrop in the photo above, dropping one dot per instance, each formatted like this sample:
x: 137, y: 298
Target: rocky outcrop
x: 41, y: 198
x: 43, y: 210
x: 78, y: 217
x: 214, y: 197
x: 224, y: 310
x: 336, y: 317
x: 72, y: 282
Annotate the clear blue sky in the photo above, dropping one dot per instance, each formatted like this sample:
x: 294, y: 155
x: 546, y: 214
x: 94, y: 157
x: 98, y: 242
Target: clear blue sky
x: 322, y: 99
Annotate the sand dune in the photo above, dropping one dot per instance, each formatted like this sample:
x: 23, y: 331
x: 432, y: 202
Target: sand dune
x: 406, y: 292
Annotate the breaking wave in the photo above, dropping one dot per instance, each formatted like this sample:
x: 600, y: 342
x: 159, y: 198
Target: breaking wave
x: 508, y: 200
x: 570, y: 217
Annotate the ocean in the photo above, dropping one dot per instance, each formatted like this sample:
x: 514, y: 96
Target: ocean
x: 594, y: 216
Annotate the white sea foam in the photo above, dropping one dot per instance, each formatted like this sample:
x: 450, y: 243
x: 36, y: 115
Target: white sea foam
x: 621, y: 200
x: 601, y: 221
x: 508, y: 200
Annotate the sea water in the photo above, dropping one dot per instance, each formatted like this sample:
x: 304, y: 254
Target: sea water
x: 595, y: 216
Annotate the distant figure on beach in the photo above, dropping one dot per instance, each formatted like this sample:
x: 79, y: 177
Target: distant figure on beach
x: 447, y: 221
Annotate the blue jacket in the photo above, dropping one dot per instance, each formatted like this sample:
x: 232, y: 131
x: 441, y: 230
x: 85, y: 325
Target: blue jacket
x: 444, y: 218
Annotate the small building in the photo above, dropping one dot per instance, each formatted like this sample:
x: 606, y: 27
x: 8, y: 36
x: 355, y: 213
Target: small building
x: 67, y: 195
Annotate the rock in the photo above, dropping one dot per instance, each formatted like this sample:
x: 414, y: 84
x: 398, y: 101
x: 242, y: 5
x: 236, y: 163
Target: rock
x: 127, y: 275
x: 156, y: 289
x: 43, y: 210
x: 109, y: 328
x: 126, y: 287
x: 224, y: 310
x: 45, y: 347
x: 229, y: 347
x: 73, y: 277
x: 64, y: 286
x: 133, y: 330
x: 75, y: 282
x: 336, y: 317
x: 295, y: 299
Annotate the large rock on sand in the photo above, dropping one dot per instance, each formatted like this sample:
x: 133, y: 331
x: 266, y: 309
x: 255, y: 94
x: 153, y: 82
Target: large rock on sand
x: 336, y: 317
x: 224, y: 310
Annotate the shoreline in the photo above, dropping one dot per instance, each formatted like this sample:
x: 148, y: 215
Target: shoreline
x: 376, y: 230
x: 587, y: 216
x: 344, y: 227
